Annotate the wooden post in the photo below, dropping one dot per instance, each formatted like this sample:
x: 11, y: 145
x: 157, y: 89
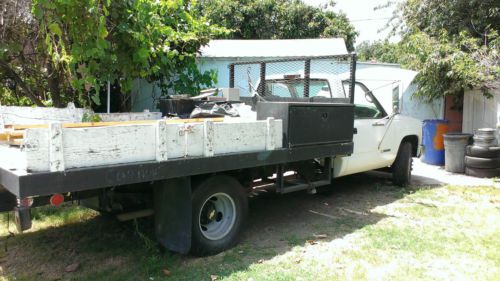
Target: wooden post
x: 56, y: 153
x: 161, y: 140
x: 271, y: 134
x: 208, y: 138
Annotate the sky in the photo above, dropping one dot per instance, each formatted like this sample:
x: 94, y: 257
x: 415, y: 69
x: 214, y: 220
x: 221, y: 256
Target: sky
x: 362, y: 15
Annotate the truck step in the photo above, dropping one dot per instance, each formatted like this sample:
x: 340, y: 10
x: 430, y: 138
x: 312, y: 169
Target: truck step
x: 135, y: 215
x: 305, y: 186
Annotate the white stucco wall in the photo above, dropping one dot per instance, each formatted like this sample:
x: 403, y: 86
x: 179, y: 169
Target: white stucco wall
x: 415, y: 107
x: 480, y: 111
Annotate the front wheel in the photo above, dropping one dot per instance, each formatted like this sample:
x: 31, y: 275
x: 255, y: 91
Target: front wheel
x: 220, y: 207
x: 401, y: 168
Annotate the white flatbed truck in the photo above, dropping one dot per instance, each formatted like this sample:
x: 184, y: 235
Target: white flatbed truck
x: 193, y: 176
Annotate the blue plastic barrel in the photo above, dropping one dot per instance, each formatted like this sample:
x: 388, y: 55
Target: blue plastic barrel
x: 432, y: 140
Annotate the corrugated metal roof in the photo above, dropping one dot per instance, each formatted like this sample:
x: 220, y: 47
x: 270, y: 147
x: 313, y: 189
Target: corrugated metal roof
x: 273, y: 48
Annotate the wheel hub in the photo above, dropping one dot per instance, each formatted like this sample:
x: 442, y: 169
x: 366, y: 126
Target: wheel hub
x: 217, y: 216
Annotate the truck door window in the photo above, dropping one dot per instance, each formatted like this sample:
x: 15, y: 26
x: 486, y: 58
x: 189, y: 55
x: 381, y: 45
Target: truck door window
x: 295, y: 88
x: 365, y: 105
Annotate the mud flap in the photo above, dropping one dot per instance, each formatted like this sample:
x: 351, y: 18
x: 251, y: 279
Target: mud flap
x: 172, y: 205
x: 7, y: 200
x: 22, y: 217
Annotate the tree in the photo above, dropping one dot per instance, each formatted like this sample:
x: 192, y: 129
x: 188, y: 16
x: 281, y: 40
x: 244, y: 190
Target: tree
x: 25, y: 74
x: 94, y: 41
x: 453, y: 44
x: 478, y: 18
x: 378, y: 51
x: 76, y: 46
x: 277, y: 19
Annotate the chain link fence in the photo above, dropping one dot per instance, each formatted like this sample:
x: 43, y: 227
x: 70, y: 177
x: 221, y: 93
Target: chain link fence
x: 297, y: 78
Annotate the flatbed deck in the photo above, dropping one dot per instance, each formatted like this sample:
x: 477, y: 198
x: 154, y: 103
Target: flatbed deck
x: 23, y: 184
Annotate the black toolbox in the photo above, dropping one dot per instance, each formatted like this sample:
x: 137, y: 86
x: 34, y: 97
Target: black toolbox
x: 307, y: 123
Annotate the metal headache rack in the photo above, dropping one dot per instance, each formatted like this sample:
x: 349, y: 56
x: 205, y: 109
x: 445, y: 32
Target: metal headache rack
x: 306, y: 74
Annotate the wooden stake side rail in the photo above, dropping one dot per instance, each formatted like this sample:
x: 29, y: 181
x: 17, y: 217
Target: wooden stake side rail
x: 58, y: 147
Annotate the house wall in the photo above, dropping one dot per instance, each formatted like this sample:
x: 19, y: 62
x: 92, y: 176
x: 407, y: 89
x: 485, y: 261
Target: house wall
x: 417, y: 108
x: 480, y: 111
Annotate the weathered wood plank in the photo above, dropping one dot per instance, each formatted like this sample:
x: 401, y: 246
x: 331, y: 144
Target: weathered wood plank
x: 117, y: 123
x: 129, y: 116
x: 270, y: 134
x: 12, y: 158
x: 15, y: 142
x: 278, y: 141
x: 86, y: 147
x: 56, y: 148
x: 14, y: 134
x: 194, y: 140
x: 36, y: 149
x: 208, y: 138
x: 161, y: 141
x: 41, y: 115
x: 244, y: 136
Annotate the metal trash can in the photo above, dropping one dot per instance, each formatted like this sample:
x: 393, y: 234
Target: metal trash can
x: 454, y: 146
x: 432, y: 140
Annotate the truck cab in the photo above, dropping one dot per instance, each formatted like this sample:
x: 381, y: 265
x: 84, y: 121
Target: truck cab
x: 379, y: 133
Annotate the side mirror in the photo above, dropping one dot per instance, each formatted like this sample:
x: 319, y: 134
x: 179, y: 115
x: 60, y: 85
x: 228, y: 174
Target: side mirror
x: 395, y: 109
x: 395, y: 100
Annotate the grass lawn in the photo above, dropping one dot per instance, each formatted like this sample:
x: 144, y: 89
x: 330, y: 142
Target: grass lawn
x: 360, y: 231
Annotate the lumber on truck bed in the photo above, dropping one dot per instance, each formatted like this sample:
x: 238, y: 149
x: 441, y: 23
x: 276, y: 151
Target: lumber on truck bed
x: 115, y: 123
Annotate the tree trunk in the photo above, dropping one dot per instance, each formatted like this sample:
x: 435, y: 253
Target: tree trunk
x: 9, y: 72
x: 53, y: 82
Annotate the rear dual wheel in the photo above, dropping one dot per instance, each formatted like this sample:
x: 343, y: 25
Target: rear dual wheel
x: 220, y: 207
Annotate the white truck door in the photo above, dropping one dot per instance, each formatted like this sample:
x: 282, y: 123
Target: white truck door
x: 371, y: 122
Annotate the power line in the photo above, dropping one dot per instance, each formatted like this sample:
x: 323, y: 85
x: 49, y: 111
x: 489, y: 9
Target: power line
x: 369, y: 19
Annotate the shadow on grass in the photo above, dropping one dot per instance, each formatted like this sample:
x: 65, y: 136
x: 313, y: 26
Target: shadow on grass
x: 108, y: 250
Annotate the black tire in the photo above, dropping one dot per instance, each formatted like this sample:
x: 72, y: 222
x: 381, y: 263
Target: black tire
x: 482, y: 163
x: 206, y: 194
x: 402, y: 166
x: 483, y: 152
x: 482, y: 173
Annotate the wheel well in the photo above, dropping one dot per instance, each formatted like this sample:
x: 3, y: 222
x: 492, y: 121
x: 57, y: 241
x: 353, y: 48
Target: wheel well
x: 196, y: 180
x: 414, y: 143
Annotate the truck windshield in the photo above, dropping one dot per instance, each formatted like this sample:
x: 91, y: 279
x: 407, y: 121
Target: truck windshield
x: 287, y: 88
